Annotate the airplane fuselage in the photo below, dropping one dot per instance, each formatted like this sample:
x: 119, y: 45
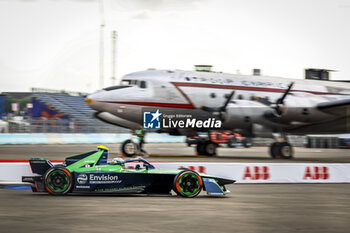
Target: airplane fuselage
x: 184, y: 92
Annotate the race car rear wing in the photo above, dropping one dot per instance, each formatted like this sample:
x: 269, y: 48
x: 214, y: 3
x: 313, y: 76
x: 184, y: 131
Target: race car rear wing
x: 40, y: 165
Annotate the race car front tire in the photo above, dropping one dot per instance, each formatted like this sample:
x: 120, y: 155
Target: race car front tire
x: 187, y: 183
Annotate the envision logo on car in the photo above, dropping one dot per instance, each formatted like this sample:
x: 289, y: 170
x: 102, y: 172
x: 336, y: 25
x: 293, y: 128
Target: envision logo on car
x: 82, y: 178
x: 104, y: 179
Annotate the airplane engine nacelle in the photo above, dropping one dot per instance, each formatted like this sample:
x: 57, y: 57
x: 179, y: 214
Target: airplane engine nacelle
x: 261, y: 131
x: 291, y: 111
x: 114, y: 120
x: 303, y: 114
x: 243, y: 113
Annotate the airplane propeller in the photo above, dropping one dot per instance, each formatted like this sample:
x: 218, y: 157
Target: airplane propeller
x: 219, y: 110
x: 276, y: 111
x: 280, y: 101
x: 229, y: 97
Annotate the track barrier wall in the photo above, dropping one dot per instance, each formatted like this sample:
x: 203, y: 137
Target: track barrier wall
x: 12, y: 171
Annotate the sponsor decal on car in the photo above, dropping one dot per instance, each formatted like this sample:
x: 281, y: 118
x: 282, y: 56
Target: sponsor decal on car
x: 104, y: 179
x: 121, y: 189
x: 98, y: 179
x: 88, y: 161
x: 82, y: 186
x: 82, y: 178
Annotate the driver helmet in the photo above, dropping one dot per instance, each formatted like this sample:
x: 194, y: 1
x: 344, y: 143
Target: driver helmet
x: 118, y: 161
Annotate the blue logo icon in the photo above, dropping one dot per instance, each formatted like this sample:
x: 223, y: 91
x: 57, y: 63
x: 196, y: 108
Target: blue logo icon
x: 151, y: 120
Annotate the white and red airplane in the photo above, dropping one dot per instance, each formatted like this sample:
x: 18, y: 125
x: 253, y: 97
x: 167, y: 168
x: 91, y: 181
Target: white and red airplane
x: 254, y: 106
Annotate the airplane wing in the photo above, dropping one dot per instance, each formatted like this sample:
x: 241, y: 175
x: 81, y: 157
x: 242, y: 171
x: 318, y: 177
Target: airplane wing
x: 338, y: 107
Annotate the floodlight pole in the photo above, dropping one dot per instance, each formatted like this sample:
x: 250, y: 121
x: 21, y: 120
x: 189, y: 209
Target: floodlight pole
x: 102, y: 26
x: 114, y: 56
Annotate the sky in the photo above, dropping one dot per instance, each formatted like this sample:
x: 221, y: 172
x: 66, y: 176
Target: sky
x: 54, y: 44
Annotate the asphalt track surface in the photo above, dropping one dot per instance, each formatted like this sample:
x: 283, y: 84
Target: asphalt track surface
x: 248, y: 208
x: 179, y: 152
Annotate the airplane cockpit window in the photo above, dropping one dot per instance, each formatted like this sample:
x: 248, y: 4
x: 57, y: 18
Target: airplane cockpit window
x: 128, y: 82
x: 115, y: 87
x: 143, y: 84
x: 125, y: 82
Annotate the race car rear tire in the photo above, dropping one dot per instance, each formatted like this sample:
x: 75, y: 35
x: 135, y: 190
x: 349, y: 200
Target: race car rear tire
x: 58, y: 181
x: 200, y: 148
x: 247, y: 142
x: 187, y: 183
x: 129, y: 148
x: 210, y: 148
x: 207, y: 148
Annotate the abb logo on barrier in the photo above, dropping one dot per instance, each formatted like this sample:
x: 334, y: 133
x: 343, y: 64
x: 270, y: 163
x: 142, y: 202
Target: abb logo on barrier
x: 256, y: 173
x: 316, y: 173
x: 200, y: 169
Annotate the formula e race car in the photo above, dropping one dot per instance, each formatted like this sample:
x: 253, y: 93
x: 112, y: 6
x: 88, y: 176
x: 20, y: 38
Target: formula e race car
x: 90, y: 172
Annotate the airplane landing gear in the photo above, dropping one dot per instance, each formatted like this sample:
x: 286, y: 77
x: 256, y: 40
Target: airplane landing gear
x: 282, y: 150
x: 206, y: 148
x: 129, y: 148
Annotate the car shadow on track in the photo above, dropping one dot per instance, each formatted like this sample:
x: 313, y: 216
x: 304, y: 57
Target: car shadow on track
x: 104, y: 195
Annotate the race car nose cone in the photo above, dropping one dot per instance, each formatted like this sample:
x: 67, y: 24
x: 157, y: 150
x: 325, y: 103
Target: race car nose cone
x: 88, y: 101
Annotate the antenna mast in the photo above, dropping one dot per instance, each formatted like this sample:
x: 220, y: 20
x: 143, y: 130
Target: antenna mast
x: 114, y: 56
x: 102, y: 26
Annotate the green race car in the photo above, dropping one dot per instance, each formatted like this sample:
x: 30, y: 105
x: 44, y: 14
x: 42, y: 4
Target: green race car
x: 91, y: 172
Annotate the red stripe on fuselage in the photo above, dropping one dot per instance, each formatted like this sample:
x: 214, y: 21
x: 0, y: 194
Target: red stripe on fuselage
x: 245, y: 88
x: 183, y: 94
x: 217, y: 86
x: 166, y: 105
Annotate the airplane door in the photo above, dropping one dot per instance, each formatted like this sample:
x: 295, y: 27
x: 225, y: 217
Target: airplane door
x: 145, y: 89
x: 166, y: 92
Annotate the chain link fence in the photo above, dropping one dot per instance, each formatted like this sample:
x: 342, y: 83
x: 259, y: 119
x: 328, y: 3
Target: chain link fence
x: 31, y: 125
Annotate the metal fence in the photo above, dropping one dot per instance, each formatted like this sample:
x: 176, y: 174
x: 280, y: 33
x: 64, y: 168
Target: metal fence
x: 32, y: 125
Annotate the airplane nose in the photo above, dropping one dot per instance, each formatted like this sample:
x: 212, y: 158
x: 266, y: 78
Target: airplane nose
x: 93, y: 100
x: 88, y: 101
